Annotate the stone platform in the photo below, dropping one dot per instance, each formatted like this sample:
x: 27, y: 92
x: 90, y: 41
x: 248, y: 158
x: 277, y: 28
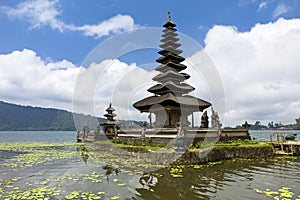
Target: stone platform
x: 165, y: 135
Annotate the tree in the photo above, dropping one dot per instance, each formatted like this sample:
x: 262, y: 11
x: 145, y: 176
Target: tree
x: 257, y: 126
x: 278, y: 125
x: 271, y: 124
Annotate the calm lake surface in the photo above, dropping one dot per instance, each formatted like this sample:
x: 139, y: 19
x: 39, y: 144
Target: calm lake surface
x: 49, y: 165
x: 38, y: 136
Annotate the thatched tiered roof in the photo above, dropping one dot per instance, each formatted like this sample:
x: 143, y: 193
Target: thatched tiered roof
x: 171, y: 90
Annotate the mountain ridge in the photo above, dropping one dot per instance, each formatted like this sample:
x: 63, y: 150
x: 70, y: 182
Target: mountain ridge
x: 15, y: 117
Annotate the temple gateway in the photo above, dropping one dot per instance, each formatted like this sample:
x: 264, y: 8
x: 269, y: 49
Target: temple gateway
x: 170, y: 102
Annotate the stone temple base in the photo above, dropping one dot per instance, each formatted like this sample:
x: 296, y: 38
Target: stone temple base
x: 165, y: 135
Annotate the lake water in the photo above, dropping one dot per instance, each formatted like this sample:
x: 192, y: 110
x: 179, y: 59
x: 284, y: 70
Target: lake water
x: 41, y: 165
x: 265, y: 134
x: 38, y: 136
x: 70, y: 136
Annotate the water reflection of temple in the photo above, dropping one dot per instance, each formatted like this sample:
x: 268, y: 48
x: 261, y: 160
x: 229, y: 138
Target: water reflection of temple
x: 170, y: 104
x: 209, y: 182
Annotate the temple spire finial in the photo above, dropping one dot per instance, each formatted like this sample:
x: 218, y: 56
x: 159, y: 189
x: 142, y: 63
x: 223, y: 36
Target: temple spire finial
x: 169, y: 16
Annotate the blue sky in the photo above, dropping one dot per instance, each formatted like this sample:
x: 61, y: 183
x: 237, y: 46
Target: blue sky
x: 194, y: 18
x: 58, y: 35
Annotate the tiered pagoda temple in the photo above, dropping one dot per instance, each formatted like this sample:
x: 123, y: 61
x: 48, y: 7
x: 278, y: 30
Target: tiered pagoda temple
x: 110, y: 125
x: 171, y: 103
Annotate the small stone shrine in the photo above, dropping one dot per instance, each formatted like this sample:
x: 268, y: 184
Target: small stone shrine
x: 110, y: 125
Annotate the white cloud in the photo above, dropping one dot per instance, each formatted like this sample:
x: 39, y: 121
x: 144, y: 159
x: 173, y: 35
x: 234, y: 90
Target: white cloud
x: 116, y: 24
x: 26, y: 79
x: 280, y: 10
x: 38, y: 13
x: 47, y: 12
x: 262, y: 5
x: 259, y: 69
x: 111, y: 81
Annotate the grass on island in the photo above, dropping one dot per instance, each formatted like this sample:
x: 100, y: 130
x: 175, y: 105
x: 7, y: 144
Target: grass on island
x: 148, y: 144
x: 231, y: 143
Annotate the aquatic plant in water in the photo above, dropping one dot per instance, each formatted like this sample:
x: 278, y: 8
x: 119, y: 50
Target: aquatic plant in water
x: 103, y: 169
x: 283, y: 193
x: 29, y: 154
x: 21, y: 156
x: 176, y: 171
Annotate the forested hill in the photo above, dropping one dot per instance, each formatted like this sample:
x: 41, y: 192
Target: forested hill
x: 16, y: 117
